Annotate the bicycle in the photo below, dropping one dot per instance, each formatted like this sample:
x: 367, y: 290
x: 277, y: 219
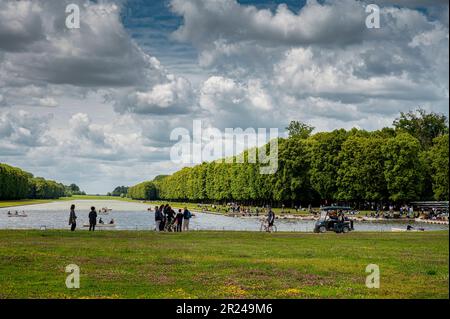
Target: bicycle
x: 265, y: 227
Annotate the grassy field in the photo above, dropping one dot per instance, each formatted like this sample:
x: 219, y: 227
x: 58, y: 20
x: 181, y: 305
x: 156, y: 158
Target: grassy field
x: 120, y: 264
x: 23, y: 202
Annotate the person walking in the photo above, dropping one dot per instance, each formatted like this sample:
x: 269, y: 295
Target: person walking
x: 158, y: 218
x: 72, y: 218
x: 186, y: 217
x: 270, y: 219
x: 179, y: 219
x: 92, y: 219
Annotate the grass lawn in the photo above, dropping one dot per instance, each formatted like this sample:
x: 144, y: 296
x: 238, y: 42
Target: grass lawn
x: 122, y: 264
x: 23, y: 202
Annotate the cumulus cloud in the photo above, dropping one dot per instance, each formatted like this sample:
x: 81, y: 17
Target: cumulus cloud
x: 20, y: 131
x: 115, y: 103
x: 173, y: 97
x: 39, y: 51
x: 321, y: 60
x: 20, y: 25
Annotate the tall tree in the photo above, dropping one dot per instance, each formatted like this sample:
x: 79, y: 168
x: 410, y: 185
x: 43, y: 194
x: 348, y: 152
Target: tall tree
x: 403, y: 168
x: 360, y: 175
x: 324, y: 152
x: 439, y: 157
x: 299, y: 129
x: 422, y: 125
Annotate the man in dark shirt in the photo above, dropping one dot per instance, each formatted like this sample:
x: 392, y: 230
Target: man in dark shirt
x: 92, y: 219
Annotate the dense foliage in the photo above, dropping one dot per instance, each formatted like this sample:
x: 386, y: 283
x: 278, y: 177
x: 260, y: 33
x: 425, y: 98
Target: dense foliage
x: 400, y: 164
x: 145, y: 190
x: 119, y: 191
x: 18, y: 184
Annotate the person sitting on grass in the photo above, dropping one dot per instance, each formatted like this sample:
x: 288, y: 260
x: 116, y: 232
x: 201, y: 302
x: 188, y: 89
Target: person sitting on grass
x: 92, y: 219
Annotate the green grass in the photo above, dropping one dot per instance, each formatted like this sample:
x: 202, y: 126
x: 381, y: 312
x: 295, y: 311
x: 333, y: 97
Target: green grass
x: 122, y: 264
x: 23, y: 202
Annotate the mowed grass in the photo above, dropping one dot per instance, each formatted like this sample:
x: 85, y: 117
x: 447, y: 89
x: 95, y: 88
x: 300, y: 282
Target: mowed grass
x: 22, y: 202
x: 123, y: 264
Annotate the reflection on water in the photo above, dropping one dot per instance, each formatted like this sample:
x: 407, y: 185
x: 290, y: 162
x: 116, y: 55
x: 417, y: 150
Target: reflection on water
x: 134, y: 216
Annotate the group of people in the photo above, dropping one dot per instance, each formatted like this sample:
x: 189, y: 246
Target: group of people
x: 92, y: 219
x: 16, y: 213
x: 166, y: 219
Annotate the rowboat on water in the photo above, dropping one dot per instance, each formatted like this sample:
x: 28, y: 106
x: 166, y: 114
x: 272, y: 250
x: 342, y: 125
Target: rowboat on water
x: 102, y: 225
x: 104, y: 210
x: 21, y: 215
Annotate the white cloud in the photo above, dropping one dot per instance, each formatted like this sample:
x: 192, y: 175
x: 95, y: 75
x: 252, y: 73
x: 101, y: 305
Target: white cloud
x: 257, y: 68
x: 175, y: 96
x: 20, y: 131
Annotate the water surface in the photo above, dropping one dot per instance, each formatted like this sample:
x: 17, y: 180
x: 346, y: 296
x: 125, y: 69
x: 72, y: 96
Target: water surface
x: 134, y: 216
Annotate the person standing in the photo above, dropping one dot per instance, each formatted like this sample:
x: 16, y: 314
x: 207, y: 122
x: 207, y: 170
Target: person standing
x: 186, y: 217
x: 270, y: 220
x: 163, y: 218
x: 92, y: 219
x: 72, y: 218
x: 179, y: 219
x: 158, y: 218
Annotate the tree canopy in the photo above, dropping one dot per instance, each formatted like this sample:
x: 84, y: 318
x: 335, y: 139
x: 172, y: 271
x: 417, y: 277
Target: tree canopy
x: 387, y: 165
x: 18, y: 184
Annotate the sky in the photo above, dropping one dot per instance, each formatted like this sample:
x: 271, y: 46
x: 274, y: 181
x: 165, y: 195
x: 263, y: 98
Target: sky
x: 96, y: 105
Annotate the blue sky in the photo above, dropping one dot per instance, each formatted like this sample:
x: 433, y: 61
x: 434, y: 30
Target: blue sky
x: 96, y: 105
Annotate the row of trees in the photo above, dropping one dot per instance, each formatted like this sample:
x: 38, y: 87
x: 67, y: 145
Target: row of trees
x: 145, y: 190
x: 18, y: 184
x: 121, y: 191
x: 407, y: 162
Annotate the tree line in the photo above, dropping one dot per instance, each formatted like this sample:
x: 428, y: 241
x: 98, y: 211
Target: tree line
x: 398, y: 164
x: 16, y: 183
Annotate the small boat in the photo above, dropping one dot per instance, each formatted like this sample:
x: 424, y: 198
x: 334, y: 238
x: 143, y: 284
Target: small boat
x: 407, y: 230
x: 20, y: 215
x: 101, y: 225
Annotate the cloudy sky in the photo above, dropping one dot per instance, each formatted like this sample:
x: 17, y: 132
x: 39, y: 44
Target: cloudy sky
x: 96, y: 105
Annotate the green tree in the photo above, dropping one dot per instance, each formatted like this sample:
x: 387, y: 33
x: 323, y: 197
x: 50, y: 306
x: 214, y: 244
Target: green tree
x: 299, y: 129
x: 439, y: 158
x: 403, y: 168
x: 324, y: 149
x: 422, y: 125
x: 360, y: 175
